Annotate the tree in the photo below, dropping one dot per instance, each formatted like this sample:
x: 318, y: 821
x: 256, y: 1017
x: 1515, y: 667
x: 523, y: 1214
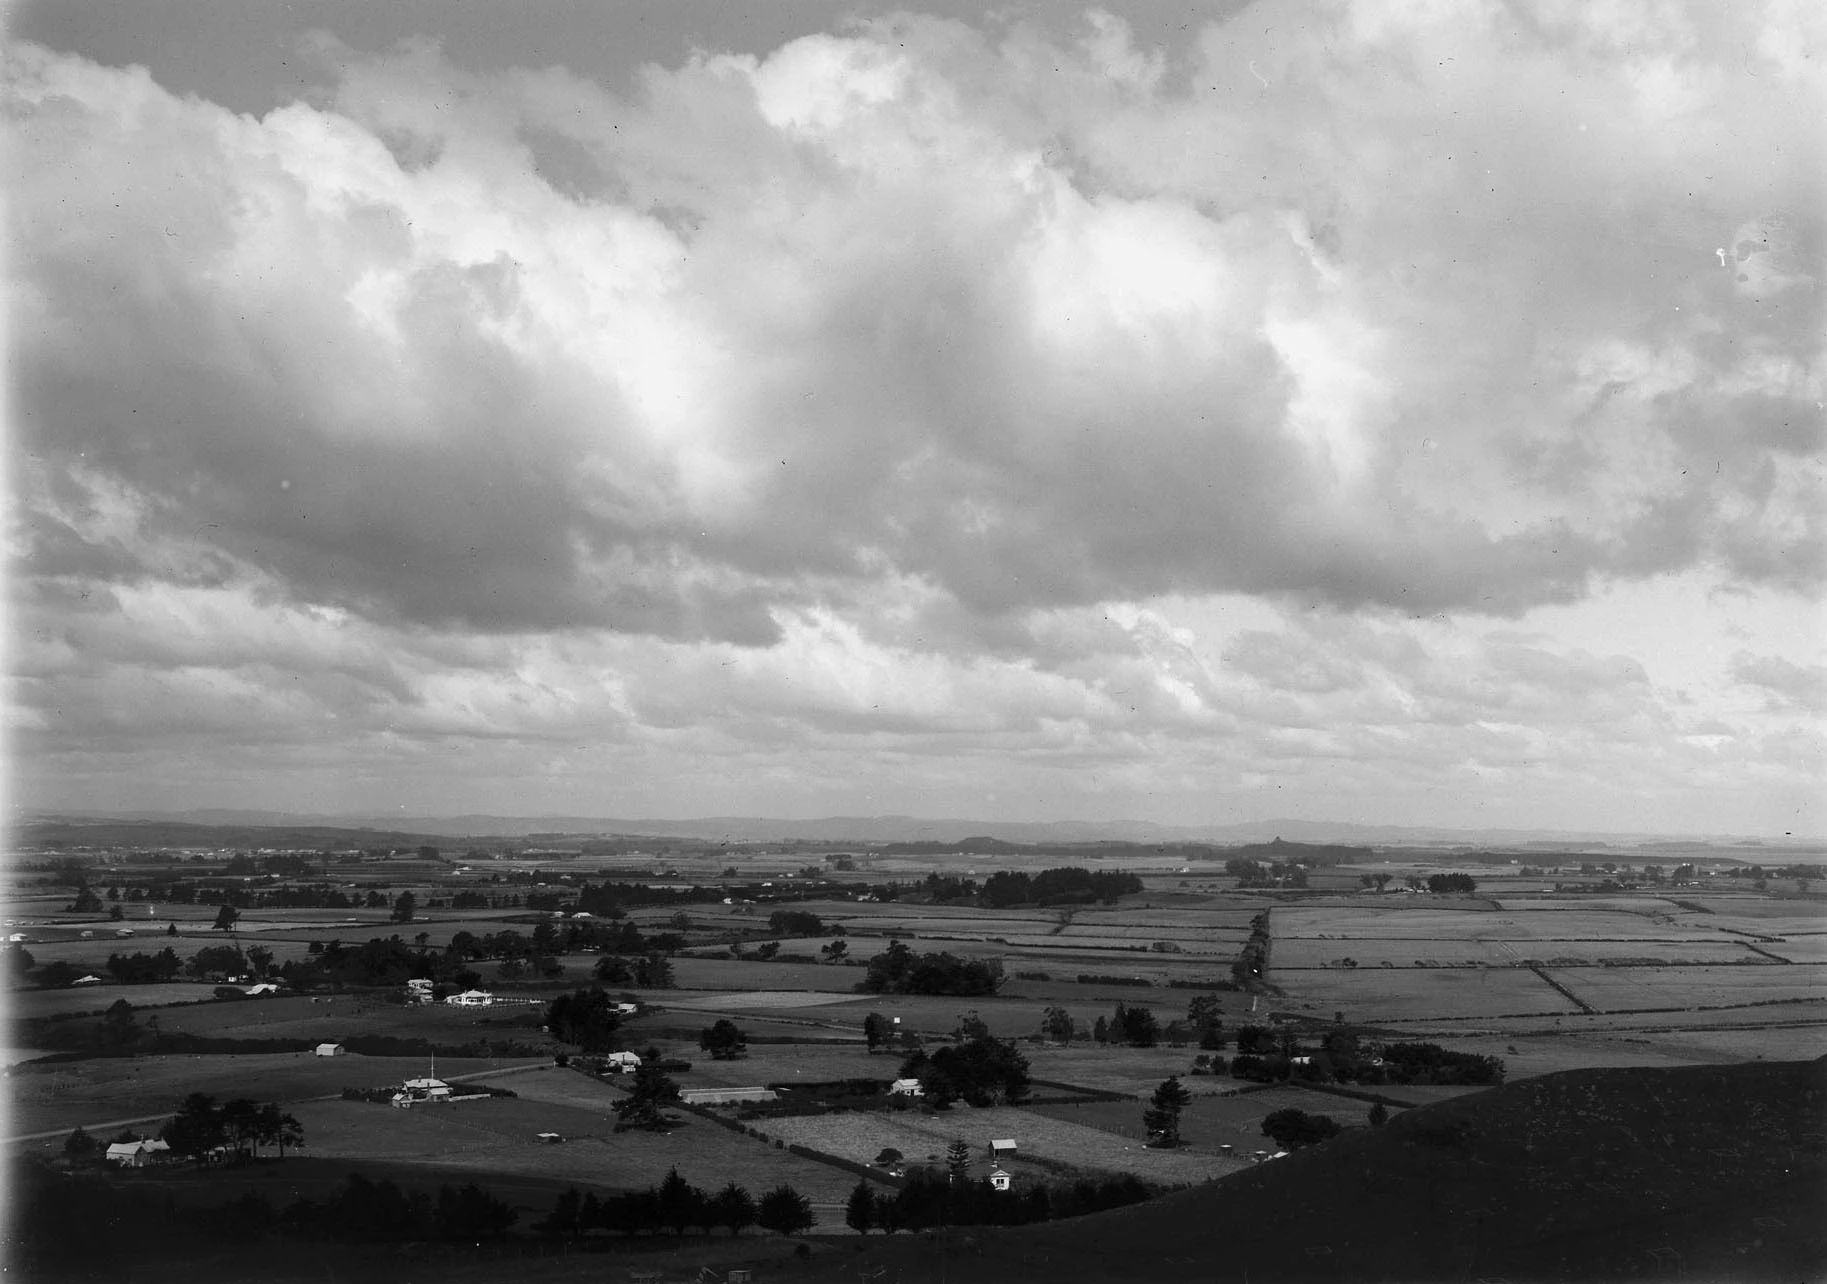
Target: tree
x: 958, y: 1162
x: 859, y: 1209
x: 835, y: 951
x: 585, y: 1018
x: 653, y: 972
x: 649, y: 1089
x: 1135, y: 1026
x: 785, y: 1211
x: 681, y: 1204
x: 1162, y: 1118
x: 225, y: 918
x: 876, y: 1030
x: 87, y: 902
x: 1293, y: 1129
x: 79, y: 1145
x: 1056, y: 1024
x: 171, y: 929
x: 971, y: 1026
x: 724, y: 1041
x: 116, y: 913
x: 1100, y: 1031
x: 259, y: 959
x: 733, y: 1207
x: 17, y: 961
x: 1379, y: 1114
x: 403, y: 906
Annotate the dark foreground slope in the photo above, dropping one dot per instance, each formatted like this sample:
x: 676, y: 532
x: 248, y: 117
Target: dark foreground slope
x: 1699, y: 1173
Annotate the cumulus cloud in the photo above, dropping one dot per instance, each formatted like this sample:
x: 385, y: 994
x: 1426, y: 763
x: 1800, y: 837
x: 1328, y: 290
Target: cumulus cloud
x: 876, y: 386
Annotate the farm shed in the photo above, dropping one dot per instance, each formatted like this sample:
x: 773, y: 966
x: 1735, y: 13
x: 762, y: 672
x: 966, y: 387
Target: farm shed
x: 726, y: 1096
x: 137, y: 1154
x: 1002, y: 1149
x: 330, y: 1050
x: 906, y: 1088
x: 621, y: 1063
x: 91, y: 979
x: 471, y: 999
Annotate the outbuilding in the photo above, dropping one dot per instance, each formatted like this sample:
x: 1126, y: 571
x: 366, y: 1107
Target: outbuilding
x: 331, y: 1050
x: 621, y: 1063
x: 137, y: 1154
x: 906, y: 1088
x: 1001, y: 1149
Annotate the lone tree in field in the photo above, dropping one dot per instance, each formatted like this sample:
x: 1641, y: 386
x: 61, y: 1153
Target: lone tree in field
x: 958, y: 1163
x: 403, y: 907
x: 1057, y: 1025
x: 1162, y: 1118
x: 876, y: 1030
x: 785, y: 1211
x: 1293, y: 1129
x: 724, y: 1041
x: 859, y: 1209
x: 225, y: 918
x: 1379, y: 1114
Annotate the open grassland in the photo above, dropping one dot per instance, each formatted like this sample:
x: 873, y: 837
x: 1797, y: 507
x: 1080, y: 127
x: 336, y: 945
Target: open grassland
x: 1211, y: 1121
x: 722, y: 975
x: 1620, y: 989
x: 61, y: 1095
x: 1485, y: 951
x: 1413, y: 918
x: 499, y: 1136
x: 1407, y: 994
x: 1045, y: 1144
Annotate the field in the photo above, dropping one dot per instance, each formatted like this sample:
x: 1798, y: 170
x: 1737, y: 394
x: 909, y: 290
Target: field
x: 1657, y: 979
x: 1047, y: 1145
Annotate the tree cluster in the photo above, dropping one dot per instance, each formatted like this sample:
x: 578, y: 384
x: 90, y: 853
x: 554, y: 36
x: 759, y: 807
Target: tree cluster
x: 981, y: 1072
x: 585, y: 1019
x: 201, y: 1126
x: 1293, y: 1129
x: 1442, y: 884
x: 1067, y: 885
x: 898, y: 970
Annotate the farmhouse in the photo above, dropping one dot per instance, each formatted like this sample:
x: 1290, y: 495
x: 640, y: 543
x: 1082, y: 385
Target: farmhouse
x: 621, y: 1063
x: 471, y: 999
x: 726, y: 1096
x: 999, y: 1179
x: 415, y: 1091
x: 906, y: 1088
x: 137, y: 1154
x: 330, y: 1050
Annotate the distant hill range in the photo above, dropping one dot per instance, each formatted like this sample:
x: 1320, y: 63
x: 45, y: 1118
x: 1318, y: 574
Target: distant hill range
x: 1714, y: 1173
x: 187, y: 828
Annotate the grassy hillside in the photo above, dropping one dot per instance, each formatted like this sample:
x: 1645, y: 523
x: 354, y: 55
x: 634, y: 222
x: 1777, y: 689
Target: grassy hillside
x: 1716, y: 1172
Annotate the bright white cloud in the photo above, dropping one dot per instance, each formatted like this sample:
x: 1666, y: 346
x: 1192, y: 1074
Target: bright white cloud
x: 913, y: 401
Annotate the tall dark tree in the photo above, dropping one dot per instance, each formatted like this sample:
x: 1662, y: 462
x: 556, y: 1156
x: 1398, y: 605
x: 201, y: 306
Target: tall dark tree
x: 876, y: 1030
x: 404, y: 906
x: 586, y: 1019
x: 649, y: 1091
x: 859, y: 1209
x: 681, y: 1204
x: 1162, y: 1118
x: 225, y: 918
x: 785, y: 1211
x: 733, y: 1207
x: 1057, y: 1025
x: 1379, y: 1114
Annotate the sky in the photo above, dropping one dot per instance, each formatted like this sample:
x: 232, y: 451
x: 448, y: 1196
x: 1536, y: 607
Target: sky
x: 1367, y: 410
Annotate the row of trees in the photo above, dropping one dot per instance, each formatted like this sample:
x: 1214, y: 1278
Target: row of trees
x: 677, y: 1205
x: 1067, y: 885
x: 951, y: 1198
x: 201, y: 1127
